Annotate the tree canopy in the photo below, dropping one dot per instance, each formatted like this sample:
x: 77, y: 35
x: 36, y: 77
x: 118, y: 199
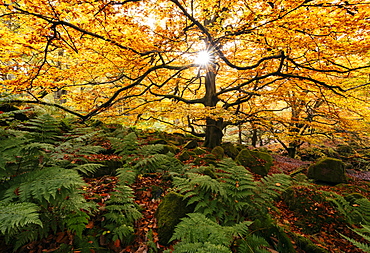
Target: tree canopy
x: 294, y: 68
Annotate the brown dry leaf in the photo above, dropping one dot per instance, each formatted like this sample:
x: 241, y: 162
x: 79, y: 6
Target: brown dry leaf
x: 90, y: 224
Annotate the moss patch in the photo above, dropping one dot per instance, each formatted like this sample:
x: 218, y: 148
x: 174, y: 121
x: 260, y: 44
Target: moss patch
x: 199, y: 151
x: 186, y: 155
x: 169, y: 213
x: 314, y: 212
x: 259, y: 162
x: 218, y: 152
x: 230, y: 150
x: 329, y: 170
x: 191, y: 144
x: 206, y: 160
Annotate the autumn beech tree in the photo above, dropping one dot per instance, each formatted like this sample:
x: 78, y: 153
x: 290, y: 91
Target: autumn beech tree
x: 196, y: 65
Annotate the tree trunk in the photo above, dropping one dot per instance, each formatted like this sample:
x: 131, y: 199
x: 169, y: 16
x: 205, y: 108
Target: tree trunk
x: 240, y: 134
x: 254, y: 137
x: 214, y: 132
x: 214, y: 126
x: 291, y: 151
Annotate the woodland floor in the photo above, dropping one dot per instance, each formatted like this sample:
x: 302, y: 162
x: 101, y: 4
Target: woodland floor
x: 148, y: 200
x: 145, y: 228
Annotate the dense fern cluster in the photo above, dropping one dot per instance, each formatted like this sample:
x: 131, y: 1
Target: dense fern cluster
x: 42, y: 162
x: 143, y: 158
x: 224, y: 203
x: 41, y: 167
x: 232, y: 194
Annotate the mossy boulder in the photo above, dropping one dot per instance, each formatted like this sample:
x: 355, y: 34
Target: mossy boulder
x: 218, y: 152
x: 199, y: 151
x: 170, y: 148
x: 191, y: 144
x: 258, y: 162
x: 158, y: 141
x: 186, y: 155
x: 206, y: 160
x: 168, y: 215
x: 311, y: 154
x: 230, y: 150
x: 313, y: 210
x: 328, y: 170
x: 345, y: 150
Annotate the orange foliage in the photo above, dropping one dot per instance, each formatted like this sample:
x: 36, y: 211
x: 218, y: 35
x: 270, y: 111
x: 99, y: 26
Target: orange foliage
x: 273, y: 62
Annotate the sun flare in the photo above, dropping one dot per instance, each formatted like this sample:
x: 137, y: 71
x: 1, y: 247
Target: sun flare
x: 203, y: 58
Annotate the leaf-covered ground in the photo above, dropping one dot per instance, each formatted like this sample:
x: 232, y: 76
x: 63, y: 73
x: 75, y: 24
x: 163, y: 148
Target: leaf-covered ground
x: 150, y: 188
x: 148, y: 198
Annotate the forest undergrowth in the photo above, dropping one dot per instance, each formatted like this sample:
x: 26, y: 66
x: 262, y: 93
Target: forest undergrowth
x: 97, y: 188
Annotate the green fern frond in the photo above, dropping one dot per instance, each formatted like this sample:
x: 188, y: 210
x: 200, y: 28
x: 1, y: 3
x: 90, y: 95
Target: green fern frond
x: 363, y: 246
x: 355, y: 210
x: 152, y: 149
x: 122, y: 232
x: 121, y: 207
x: 200, y: 248
x: 206, y: 183
x: 271, y: 186
x: 77, y: 146
x: 241, y: 229
x: 158, y: 162
x: 125, y: 146
x: 76, y: 222
x: 15, y: 216
x: 88, y: 168
x: 9, y: 155
x: 44, y: 129
x: 28, y: 234
x: 72, y: 201
x: 206, y: 192
x: 150, y: 164
x: 198, y: 228
x: 197, y: 233
x: 253, y: 244
x: 364, y: 233
x: 238, y: 183
x: 126, y: 175
x: 362, y: 206
x: 44, y: 185
x: 121, y: 213
x: 82, y: 134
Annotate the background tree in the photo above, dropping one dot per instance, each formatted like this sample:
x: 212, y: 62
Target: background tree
x: 137, y: 58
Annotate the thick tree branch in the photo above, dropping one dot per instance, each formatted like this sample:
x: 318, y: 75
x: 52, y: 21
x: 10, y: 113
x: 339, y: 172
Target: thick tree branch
x: 39, y: 102
x: 56, y: 23
x: 346, y: 69
x: 178, y: 98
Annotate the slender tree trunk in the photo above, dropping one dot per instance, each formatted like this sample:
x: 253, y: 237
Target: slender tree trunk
x: 254, y: 137
x: 240, y: 134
